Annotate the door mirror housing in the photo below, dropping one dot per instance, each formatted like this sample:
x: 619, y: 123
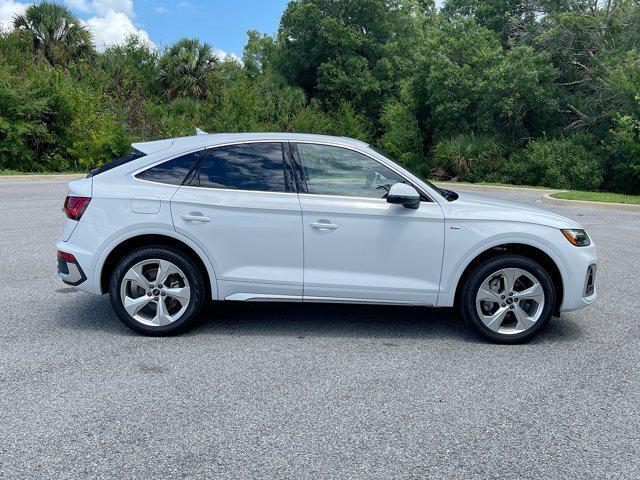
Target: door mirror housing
x: 403, y: 194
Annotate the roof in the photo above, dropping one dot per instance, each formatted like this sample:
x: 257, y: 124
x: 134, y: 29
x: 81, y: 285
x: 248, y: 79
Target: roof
x: 208, y: 140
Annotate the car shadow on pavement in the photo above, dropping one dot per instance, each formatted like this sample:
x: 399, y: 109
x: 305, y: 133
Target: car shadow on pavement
x: 310, y: 320
x: 344, y: 320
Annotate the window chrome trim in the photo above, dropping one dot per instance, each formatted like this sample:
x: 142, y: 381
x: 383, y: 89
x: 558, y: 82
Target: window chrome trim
x: 393, y: 167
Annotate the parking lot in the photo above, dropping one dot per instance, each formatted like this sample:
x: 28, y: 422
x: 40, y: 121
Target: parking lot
x: 310, y: 391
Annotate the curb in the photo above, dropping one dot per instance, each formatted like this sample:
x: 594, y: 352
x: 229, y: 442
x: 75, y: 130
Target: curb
x: 22, y: 178
x: 589, y: 204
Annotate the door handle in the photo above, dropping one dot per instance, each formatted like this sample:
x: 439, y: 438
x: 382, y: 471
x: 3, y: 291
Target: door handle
x: 195, y: 217
x: 323, y: 225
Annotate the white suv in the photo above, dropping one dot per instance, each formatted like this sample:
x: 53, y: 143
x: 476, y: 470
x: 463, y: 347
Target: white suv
x: 292, y: 217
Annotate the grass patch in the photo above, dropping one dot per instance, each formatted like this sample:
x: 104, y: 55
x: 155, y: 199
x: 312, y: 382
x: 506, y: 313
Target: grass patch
x: 490, y: 184
x: 598, y: 197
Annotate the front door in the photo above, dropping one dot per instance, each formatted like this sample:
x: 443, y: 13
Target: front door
x: 358, y: 247
x: 241, y: 206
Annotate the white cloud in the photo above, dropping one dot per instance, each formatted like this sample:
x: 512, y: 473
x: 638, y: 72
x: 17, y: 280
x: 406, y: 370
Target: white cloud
x: 222, y: 55
x: 103, y: 7
x: 8, y: 10
x: 113, y: 28
x: 112, y: 21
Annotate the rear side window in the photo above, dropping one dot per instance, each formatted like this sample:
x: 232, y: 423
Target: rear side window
x: 116, y: 163
x: 172, y: 172
x: 248, y: 166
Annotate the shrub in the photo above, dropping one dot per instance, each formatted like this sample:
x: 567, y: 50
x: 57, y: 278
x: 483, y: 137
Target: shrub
x: 623, y: 156
x: 467, y: 157
x: 557, y: 163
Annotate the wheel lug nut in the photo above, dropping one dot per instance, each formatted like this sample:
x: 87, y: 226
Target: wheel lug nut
x: 504, y: 304
x: 160, y: 286
x: 151, y: 286
x: 163, y: 294
x: 511, y: 307
x: 149, y: 294
x: 502, y: 297
x: 511, y: 294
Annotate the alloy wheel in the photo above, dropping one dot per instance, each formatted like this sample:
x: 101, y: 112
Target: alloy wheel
x: 510, y: 301
x: 155, y: 292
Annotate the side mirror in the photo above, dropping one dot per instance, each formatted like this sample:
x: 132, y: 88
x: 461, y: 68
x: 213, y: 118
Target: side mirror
x: 403, y: 194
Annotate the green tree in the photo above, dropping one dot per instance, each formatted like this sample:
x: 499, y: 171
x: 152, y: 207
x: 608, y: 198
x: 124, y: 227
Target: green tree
x: 184, y: 68
x: 58, y: 36
x: 349, y: 50
x: 466, y: 82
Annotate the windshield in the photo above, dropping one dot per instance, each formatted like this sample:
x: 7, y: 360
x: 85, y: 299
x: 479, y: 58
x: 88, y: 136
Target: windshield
x: 447, y: 194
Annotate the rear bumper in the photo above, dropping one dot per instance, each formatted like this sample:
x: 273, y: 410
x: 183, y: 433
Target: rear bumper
x: 76, y: 272
x: 71, y: 272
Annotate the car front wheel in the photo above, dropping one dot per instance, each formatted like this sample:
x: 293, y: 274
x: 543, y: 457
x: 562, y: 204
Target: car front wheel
x: 157, y: 291
x: 508, y: 298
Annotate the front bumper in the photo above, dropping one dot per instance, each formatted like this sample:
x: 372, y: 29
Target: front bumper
x: 583, y: 291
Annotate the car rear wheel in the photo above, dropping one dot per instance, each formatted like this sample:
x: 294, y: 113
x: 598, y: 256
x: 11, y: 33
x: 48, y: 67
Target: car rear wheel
x: 157, y: 291
x: 508, y: 299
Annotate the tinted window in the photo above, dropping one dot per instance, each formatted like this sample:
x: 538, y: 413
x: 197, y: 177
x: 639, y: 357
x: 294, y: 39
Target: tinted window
x: 249, y: 166
x: 340, y: 171
x: 172, y: 172
x: 115, y: 163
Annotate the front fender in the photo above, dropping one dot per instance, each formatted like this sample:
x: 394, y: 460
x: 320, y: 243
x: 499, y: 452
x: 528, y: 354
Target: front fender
x: 464, y: 243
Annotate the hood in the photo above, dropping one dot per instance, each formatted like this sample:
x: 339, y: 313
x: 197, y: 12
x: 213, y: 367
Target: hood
x: 470, y: 206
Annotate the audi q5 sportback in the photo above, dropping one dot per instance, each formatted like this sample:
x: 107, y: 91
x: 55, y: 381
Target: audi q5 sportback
x: 309, y: 218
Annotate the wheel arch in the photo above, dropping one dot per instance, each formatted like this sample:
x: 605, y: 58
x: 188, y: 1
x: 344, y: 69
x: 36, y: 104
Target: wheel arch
x: 535, y: 253
x: 124, y: 245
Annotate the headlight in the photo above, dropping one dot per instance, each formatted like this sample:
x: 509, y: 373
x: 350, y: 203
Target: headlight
x: 578, y: 237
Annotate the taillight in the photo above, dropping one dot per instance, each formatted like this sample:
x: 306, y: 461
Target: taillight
x: 67, y: 257
x: 74, y: 207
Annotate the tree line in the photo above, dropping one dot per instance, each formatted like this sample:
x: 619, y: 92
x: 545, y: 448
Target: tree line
x: 535, y: 92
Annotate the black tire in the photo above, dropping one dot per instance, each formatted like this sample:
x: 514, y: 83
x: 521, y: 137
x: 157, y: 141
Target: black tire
x: 483, y: 271
x: 184, y: 263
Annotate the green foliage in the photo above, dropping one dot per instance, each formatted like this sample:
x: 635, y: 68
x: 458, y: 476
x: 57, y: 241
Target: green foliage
x: 466, y: 82
x: 24, y: 109
x: 557, y: 82
x: 402, y: 138
x: 554, y: 163
x: 353, y: 51
x: 467, y: 157
x: 184, y: 68
x: 623, y: 156
x: 58, y: 36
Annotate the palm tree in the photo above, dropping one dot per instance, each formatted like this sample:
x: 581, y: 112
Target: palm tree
x: 184, y: 68
x: 58, y: 35
x: 462, y: 154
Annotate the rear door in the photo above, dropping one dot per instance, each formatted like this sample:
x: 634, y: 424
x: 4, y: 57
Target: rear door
x: 241, y: 206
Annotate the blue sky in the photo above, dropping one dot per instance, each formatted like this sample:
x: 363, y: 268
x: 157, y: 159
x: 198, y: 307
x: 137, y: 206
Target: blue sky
x: 222, y: 23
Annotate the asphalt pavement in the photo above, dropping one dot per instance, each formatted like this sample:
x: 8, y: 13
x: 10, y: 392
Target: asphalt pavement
x: 310, y: 391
